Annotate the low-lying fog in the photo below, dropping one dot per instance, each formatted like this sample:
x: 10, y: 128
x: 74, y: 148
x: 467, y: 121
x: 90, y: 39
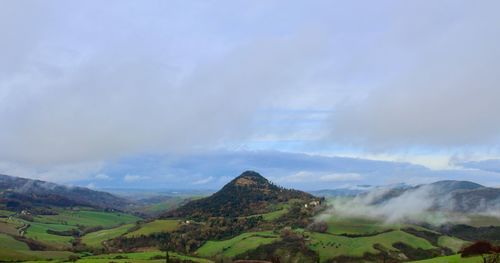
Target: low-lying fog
x: 425, y: 204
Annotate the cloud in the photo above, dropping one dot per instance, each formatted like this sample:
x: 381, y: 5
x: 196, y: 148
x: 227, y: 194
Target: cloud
x: 442, y: 90
x: 61, y: 173
x: 491, y: 165
x: 134, y: 178
x: 99, y: 82
x: 102, y: 177
x: 295, y: 170
x: 204, y: 180
x: 340, y: 177
x: 414, y: 205
x: 90, y: 91
x: 305, y: 176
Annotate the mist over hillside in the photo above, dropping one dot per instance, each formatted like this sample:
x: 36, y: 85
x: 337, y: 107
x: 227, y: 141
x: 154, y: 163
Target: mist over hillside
x: 436, y: 203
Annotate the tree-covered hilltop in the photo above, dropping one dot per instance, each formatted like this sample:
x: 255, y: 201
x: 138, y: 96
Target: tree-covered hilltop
x: 248, y: 194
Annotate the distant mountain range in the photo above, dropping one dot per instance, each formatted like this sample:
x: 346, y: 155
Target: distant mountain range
x: 354, y: 190
x: 248, y: 194
x: 449, y: 195
x: 19, y: 193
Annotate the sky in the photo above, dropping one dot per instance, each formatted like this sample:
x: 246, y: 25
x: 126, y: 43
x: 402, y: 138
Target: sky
x: 189, y: 94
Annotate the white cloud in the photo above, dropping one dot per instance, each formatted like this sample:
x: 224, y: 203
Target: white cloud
x: 340, y: 177
x: 102, y: 176
x: 61, y: 173
x: 86, y: 90
x: 443, y: 90
x: 204, y: 180
x: 134, y: 178
x: 309, y: 177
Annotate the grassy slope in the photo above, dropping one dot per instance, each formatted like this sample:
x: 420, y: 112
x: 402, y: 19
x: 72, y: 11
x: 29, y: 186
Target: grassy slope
x: 155, y: 227
x: 14, y: 250
x: 5, y: 213
x: 8, y: 226
x: 8, y: 242
x: 330, y: 246
x: 164, y: 206
x: 455, y: 244
x: 275, y: 214
x: 236, y: 245
x: 451, y: 259
x: 141, y: 256
x: 95, y: 239
x: 87, y: 218
x: 38, y: 231
x: 357, y: 226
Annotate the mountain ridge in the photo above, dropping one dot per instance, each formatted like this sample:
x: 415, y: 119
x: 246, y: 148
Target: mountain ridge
x: 19, y: 193
x: 248, y: 194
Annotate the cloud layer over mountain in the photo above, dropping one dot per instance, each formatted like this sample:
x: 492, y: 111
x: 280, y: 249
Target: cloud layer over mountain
x: 86, y: 85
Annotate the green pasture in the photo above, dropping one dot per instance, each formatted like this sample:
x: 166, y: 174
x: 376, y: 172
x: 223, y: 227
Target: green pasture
x: 95, y: 239
x: 357, y: 226
x: 38, y: 231
x: 452, y: 259
x: 453, y: 243
x: 140, y: 256
x: 87, y: 218
x: 156, y: 226
x: 330, y: 246
x: 14, y: 250
x: 236, y: 245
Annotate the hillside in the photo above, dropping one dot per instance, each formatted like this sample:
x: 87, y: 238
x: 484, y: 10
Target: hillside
x: 248, y: 194
x: 449, y: 195
x: 18, y: 193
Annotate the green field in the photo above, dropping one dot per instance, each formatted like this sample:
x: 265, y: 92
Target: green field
x: 140, y: 256
x: 482, y: 220
x: 156, y: 226
x: 9, y: 226
x: 14, y: 250
x: 236, y: 245
x: 166, y: 205
x: 330, y: 246
x: 5, y: 213
x: 87, y: 218
x: 451, y: 259
x: 69, y: 219
x: 8, y: 242
x: 452, y: 243
x: 357, y: 226
x: 95, y: 239
x: 275, y: 214
x: 38, y: 231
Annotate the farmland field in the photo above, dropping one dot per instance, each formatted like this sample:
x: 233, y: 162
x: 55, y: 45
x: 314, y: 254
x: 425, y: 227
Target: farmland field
x: 141, y: 256
x: 14, y: 250
x: 452, y: 243
x: 236, y: 245
x: 87, y: 218
x: 95, y: 239
x: 156, y: 226
x: 356, y: 226
x: 451, y: 259
x: 38, y: 231
x: 330, y: 246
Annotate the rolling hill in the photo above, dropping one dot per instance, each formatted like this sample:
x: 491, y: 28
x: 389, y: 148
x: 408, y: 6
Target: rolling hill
x: 448, y: 196
x: 18, y: 193
x: 248, y: 194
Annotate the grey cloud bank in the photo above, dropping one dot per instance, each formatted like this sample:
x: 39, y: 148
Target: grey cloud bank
x: 86, y: 85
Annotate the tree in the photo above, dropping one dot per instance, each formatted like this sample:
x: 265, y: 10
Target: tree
x: 165, y: 246
x: 486, y: 250
x: 73, y: 258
